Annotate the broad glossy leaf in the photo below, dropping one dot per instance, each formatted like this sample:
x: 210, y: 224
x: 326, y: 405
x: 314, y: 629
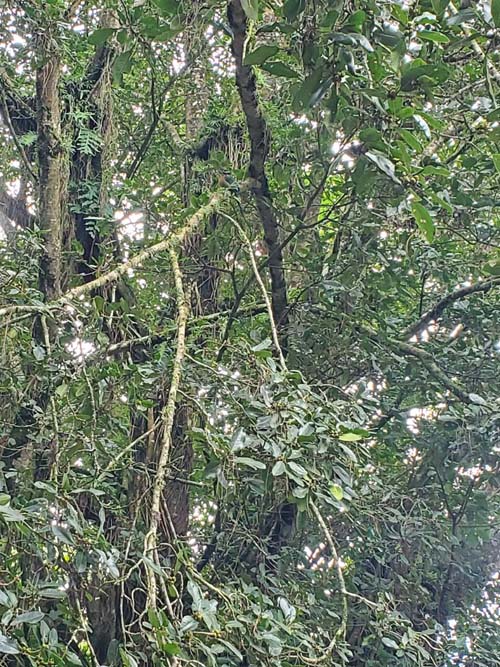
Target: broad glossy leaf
x: 387, y: 641
x: 122, y: 65
x: 411, y: 140
x: 440, y: 6
x: 100, y: 36
x: 251, y: 9
x: 28, y: 617
x: 312, y: 89
x: 278, y: 468
x: 168, y: 6
x: 260, y: 55
x: 8, y: 646
x: 277, y: 68
x: 292, y: 8
x: 250, y: 463
x: 336, y: 492
x: 433, y: 36
x: 384, y: 164
x: 424, y: 220
x: 350, y: 437
x: 8, y: 513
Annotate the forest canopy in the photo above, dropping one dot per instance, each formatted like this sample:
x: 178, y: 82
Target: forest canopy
x: 249, y: 333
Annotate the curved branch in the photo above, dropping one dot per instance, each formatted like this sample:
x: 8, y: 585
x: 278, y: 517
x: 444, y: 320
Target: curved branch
x: 260, y: 282
x: 446, y: 301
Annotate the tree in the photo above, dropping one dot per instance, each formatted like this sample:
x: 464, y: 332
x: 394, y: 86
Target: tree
x: 249, y: 315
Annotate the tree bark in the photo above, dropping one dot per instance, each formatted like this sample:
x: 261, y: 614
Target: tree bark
x: 259, y: 149
x: 53, y: 176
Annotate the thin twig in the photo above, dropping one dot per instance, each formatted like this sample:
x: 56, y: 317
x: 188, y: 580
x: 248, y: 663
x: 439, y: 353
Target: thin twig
x: 260, y: 282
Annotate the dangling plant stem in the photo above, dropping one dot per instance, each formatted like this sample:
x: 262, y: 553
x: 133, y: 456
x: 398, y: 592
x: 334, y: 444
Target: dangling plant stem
x: 167, y: 418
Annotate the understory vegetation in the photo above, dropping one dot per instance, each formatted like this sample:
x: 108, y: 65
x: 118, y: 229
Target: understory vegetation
x: 249, y: 333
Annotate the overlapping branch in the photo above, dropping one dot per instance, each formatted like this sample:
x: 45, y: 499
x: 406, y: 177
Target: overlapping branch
x: 259, y: 148
x: 167, y: 418
x: 436, y: 311
x: 216, y: 200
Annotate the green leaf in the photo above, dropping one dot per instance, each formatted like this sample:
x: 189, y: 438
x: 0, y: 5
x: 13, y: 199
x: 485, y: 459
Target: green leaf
x: 495, y: 12
x: 336, y: 491
x: 492, y: 268
x: 231, y: 648
x: 28, y: 617
x: 306, y: 433
x: 462, y: 16
x: 412, y: 142
x: 424, y: 220
x: 250, y: 463
x: 312, y: 90
x: 433, y: 36
x: 289, y: 611
x: 168, y: 6
x: 278, y: 469
x: 251, y: 9
x: 384, y: 164
x: 38, y: 352
x: 4, y: 499
x: 8, y: 646
x: 496, y: 161
x: 390, y: 643
x: 128, y: 660
x: 61, y: 390
x: 73, y: 658
x: 370, y: 136
x: 62, y: 534
x: 439, y: 6
x: 364, y: 42
x: 277, y: 68
x: 356, y: 19
x: 122, y: 65
x: 435, y: 170
x: 350, y: 437
x: 343, y: 38
x: 100, y: 36
x: 478, y: 400
x: 53, y: 593
x: 292, y: 8
x: 260, y: 55
x: 10, y: 514
x: 171, y: 648
x: 297, y: 469
x: 122, y: 37
x: 264, y: 345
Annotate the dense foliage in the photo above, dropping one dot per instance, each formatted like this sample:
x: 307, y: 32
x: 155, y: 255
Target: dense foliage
x: 249, y: 393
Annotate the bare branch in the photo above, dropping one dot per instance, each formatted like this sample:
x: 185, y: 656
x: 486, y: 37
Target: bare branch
x: 436, y: 312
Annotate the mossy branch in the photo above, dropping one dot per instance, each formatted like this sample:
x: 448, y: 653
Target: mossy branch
x: 167, y: 418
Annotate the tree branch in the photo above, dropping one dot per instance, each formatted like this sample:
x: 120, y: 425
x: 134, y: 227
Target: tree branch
x: 436, y: 312
x: 167, y: 417
x: 259, y: 148
x: 426, y: 359
x: 263, y: 290
x: 218, y: 198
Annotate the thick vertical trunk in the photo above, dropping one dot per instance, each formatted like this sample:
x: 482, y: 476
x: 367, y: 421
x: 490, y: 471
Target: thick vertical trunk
x: 259, y: 149
x: 52, y: 169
